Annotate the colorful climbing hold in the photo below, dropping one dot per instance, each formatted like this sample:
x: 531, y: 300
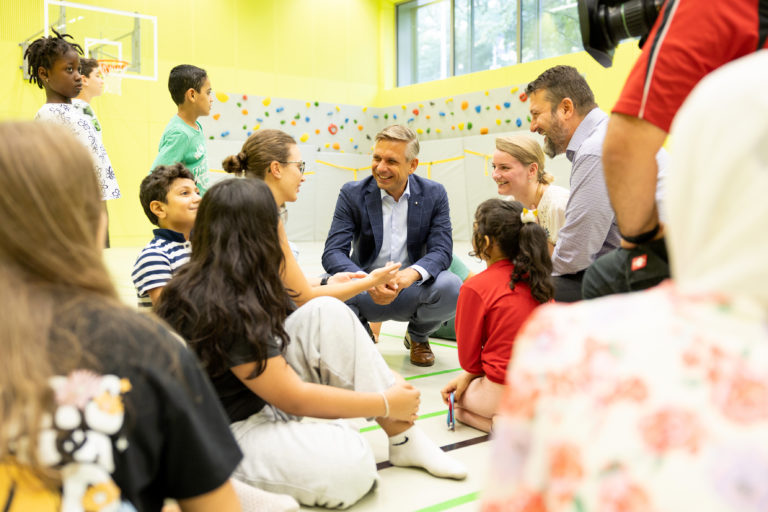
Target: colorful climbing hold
x: 422, y: 106
x: 256, y: 127
x: 449, y: 100
x: 429, y: 129
x: 224, y: 134
x: 375, y: 116
x: 513, y: 90
x: 245, y: 97
x: 419, y: 131
x: 336, y: 145
x: 259, y: 120
x: 461, y: 126
x: 386, y: 116
x: 523, y: 97
x: 405, y: 107
x: 411, y: 119
x: 245, y: 111
x: 317, y: 104
x: 266, y: 114
x: 327, y: 145
x: 442, y: 114
x: 333, y: 129
x: 478, y: 108
x: 498, y: 107
x: 317, y: 131
x: 297, y: 116
x: 469, y: 126
x: 245, y: 127
x: 529, y: 119
x: 498, y: 122
x: 438, y: 130
x: 483, y: 130
x: 394, y: 116
x: 428, y: 116
x: 266, y: 101
x: 211, y: 137
x: 239, y: 104
x: 306, y: 119
x: 360, y: 127
x: 282, y: 121
x: 365, y: 109
x: 304, y: 137
x: 338, y: 108
x: 415, y: 111
x: 293, y: 122
x: 308, y: 104
x: 355, y: 146
x: 216, y: 117
x: 507, y: 120
x: 519, y: 122
x: 248, y: 134
x: 222, y: 97
x: 464, y: 105
x: 279, y: 109
x: 486, y: 93
x: 507, y: 104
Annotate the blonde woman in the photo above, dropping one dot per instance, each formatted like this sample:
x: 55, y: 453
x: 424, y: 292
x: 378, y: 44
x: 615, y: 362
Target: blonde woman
x: 518, y: 170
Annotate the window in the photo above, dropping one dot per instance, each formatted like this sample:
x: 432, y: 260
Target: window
x: 441, y: 38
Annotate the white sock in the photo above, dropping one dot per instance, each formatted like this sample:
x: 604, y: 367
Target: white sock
x: 253, y: 499
x: 414, y: 448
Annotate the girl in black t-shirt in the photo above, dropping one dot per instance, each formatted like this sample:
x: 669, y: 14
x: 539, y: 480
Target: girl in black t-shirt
x: 270, y: 369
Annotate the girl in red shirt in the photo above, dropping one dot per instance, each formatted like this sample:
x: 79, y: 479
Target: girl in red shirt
x: 494, y: 304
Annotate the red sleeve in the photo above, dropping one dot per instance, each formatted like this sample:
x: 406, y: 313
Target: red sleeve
x: 470, y: 323
x: 689, y: 40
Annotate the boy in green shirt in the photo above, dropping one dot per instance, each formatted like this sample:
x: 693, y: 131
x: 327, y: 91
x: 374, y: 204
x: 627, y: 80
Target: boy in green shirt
x: 183, y: 140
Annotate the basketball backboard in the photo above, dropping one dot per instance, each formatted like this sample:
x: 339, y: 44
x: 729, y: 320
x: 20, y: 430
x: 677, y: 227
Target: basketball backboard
x: 108, y: 34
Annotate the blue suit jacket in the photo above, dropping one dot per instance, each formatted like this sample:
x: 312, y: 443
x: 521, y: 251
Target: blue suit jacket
x: 357, y: 226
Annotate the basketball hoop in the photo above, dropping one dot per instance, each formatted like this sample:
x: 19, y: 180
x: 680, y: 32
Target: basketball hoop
x: 113, y: 71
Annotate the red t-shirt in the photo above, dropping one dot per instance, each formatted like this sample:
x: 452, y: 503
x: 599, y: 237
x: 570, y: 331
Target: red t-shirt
x: 488, y: 316
x: 690, y: 39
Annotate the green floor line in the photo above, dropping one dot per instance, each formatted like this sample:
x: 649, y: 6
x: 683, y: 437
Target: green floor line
x: 421, y: 417
x: 441, y: 372
x: 455, y: 502
x: 431, y: 342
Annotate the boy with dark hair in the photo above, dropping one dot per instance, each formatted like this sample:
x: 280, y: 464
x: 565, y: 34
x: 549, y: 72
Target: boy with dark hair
x: 170, y: 200
x: 93, y: 86
x: 183, y: 139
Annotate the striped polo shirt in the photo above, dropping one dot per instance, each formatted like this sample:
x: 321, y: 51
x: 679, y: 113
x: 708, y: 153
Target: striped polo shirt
x: 158, y: 262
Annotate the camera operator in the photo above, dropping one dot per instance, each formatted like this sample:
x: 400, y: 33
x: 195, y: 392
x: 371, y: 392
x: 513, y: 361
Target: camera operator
x: 689, y: 39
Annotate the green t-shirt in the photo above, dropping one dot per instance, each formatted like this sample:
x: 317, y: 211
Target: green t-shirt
x: 182, y: 143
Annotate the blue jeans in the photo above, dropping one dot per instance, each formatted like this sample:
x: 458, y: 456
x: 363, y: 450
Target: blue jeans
x: 424, y: 307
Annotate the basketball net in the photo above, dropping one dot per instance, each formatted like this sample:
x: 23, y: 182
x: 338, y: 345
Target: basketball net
x: 113, y: 71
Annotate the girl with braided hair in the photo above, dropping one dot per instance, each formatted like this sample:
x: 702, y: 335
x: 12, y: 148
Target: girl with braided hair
x: 495, y: 303
x: 53, y: 64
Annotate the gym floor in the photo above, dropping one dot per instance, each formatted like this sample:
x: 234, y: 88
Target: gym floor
x: 399, y: 489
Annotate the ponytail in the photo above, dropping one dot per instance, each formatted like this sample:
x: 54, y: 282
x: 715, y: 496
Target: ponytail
x: 533, y: 264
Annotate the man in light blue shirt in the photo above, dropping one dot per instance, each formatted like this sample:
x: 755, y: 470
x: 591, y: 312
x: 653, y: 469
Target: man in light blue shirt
x: 394, y: 215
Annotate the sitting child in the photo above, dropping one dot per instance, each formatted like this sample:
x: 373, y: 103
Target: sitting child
x: 495, y: 303
x: 270, y: 369
x: 170, y: 200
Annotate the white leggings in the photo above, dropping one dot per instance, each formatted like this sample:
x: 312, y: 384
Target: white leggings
x: 324, y: 464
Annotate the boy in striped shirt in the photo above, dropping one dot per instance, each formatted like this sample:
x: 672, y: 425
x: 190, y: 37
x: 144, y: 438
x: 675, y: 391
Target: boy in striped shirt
x: 170, y: 199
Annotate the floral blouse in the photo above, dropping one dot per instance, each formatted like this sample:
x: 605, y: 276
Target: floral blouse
x: 647, y: 402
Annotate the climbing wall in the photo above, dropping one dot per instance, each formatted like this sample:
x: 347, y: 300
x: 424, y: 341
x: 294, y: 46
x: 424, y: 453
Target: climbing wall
x: 456, y: 135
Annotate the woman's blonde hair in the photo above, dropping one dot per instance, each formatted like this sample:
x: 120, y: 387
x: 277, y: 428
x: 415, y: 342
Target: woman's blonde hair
x: 527, y: 151
x: 50, y: 258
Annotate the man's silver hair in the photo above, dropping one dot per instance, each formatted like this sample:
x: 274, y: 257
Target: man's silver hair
x: 401, y: 133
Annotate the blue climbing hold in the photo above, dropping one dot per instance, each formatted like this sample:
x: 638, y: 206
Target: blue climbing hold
x: 224, y: 134
x: 478, y: 108
x: 519, y: 122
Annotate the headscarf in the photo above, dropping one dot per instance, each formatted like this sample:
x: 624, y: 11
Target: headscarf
x: 717, y: 199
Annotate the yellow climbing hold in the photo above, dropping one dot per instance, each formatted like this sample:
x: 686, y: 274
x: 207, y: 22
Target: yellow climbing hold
x: 498, y: 121
x: 308, y: 104
x: 513, y: 90
x: 419, y: 131
x: 351, y: 139
x: 421, y: 105
x: 449, y: 100
x: 222, y: 97
x: 338, y: 108
x: 486, y: 93
x: 365, y: 109
x: 304, y: 137
x: 461, y: 126
x: 405, y: 107
x: 438, y: 130
x: 256, y: 127
x: 327, y: 145
x: 266, y: 101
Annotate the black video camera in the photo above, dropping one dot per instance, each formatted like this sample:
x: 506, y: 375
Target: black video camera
x: 604, y: 23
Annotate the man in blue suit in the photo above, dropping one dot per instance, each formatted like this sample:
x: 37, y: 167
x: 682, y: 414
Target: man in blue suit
x: 397, y: 216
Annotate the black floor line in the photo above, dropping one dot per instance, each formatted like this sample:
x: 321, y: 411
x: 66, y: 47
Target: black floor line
x: 447, y: 448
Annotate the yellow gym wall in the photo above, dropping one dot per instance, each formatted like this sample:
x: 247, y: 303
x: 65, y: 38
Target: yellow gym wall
x: 338, y: 51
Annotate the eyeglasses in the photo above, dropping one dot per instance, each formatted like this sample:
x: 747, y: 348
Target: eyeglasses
x: 301, y: 163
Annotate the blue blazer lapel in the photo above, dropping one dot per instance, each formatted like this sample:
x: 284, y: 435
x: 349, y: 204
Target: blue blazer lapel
x: 415, y: 209
x: 373, y: 208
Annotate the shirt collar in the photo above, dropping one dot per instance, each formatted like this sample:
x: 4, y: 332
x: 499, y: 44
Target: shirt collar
x: 170, y: 235
x: 406, y: 193
x: 595, y: 118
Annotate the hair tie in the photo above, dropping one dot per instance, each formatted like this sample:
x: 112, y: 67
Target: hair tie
x: 527, y: 215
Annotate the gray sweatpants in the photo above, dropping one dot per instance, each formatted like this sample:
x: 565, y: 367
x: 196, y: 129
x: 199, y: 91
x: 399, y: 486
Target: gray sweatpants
x: 324, y: 464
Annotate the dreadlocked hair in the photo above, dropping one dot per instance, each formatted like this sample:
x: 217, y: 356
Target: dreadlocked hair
x: 524, y: 244
x: 45, y: 50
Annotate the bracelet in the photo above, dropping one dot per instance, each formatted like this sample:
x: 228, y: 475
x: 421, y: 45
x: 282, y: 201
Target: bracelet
x: 386, y: 405
x: 324, y: 280
x: 642, y: 237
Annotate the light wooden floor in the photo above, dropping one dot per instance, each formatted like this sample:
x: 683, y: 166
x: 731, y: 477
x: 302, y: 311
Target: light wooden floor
x: 399, y: 489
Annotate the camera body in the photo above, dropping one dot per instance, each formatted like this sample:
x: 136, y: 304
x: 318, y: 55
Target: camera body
x: 605, y: 23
